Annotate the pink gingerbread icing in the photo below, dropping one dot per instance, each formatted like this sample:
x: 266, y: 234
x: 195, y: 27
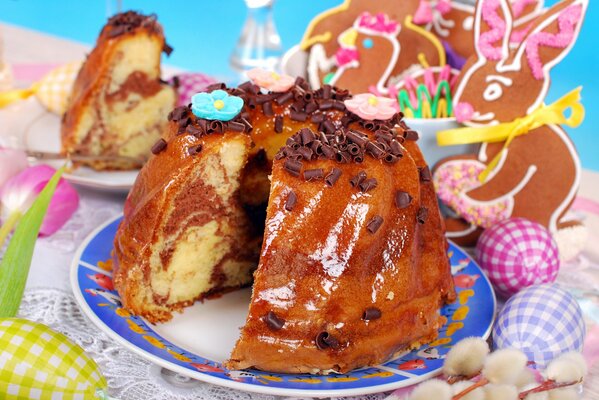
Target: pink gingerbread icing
x: 371, y: 107
x: 453, y: 179
x: 425, y: 13
x: 495, y: 34
x: 271, y: 80
x: 379, y: 23
x: 566, y: 21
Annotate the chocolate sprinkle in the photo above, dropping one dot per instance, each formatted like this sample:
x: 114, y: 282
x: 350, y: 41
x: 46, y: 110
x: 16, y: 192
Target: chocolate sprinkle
x: 368, y: 184
x: 324, y: 341
x: 291, y: 200
x: 167, y: 49
x: 193, y: 150
x: 278, y: 124
x: 317, y: 118
x: 411, y: 135
x: 328, y: 126
x: 371, y: 313
x: 402, y: 199
x: 267, y: 109
x: 374, y: 224
x: 425, y: 174
x: 332, y: 177
x: 273, y: 321
x: 357, y: 180
x: 298, y: 116
x: 236, y: 126
x: 293, y: 166
x: 159, y: 146
x: 313, y: 174
x: 422, y: 215
x: 284, y: 98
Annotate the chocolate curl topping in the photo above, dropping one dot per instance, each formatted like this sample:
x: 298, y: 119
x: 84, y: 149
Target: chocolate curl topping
x: 371, y: 313
x: 291, y: 201
x: 324, y: 341
x: 273, y: 321
x: 374, y: 224
x: 425, y: 174
x: 357, y: 180
x: 193, y: 150
x: 159, y: 146
x: 267, y: 109
x: 216, y: 86
x: 357, y: 138
x: 284, y: 98
x: 313, y: 174
x: 411, y: 135
x: 167, y: 49
x: 293, y: 167
x: 307, y: 136
x: 278, y: 124
x: 332, y: 177
x: 402, y: 199
x: 368, y: 184
x: 422, y: 215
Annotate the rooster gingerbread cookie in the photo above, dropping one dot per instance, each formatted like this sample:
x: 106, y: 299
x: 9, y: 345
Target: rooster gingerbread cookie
x: 527, y: 165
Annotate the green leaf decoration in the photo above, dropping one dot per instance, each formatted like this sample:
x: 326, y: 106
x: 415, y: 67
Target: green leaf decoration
x: 14, y: 268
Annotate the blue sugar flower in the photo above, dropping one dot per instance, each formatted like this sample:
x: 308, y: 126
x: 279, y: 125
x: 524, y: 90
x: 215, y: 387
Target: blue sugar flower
x: 217, y: 105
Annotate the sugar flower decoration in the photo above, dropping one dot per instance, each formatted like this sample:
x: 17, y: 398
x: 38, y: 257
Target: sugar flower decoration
x: 218, y: 105
x: 270, y: 80
x: 371, y: 107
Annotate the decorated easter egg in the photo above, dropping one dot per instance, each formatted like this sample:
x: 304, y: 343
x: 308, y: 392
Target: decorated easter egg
x: 45, y: 364
x: 54, y: 89
x: 543, y: 321
x: 517, y: 253
x: 188, y: 84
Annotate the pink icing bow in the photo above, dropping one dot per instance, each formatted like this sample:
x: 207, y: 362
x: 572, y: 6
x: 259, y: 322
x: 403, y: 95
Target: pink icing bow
x: 426, y: 10
x: 270, y: 80
x: 345, y: 55
x: 371, y: 107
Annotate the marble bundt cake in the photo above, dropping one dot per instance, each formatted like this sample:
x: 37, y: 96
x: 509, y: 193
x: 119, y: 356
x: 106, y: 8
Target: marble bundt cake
x: 353, y: 265
x: 118, y: 103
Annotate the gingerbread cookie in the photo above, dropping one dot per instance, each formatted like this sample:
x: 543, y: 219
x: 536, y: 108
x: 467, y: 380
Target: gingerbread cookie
x: 453, y: 22
x: 363, y: 43
x: 527, y: 165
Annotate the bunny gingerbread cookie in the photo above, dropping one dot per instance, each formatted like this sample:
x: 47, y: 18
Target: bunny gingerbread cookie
x: 527, y: 165
x: 363, y: 43
x: 453, y: 23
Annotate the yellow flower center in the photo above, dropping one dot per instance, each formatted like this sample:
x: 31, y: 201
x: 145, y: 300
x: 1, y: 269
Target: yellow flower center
x: 219, y: 104
x: 275, y: 76
x: 373, y: 101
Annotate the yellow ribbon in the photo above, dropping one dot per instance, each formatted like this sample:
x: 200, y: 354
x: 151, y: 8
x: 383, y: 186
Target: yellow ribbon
x: 508, y: 131
x: 11, y: 96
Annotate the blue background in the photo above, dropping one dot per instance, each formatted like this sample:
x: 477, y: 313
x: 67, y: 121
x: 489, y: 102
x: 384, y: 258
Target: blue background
x: 204, y: 33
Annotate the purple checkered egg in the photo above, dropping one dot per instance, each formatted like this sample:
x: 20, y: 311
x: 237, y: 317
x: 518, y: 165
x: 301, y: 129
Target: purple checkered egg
x: 517, y: 253
x: 543, y: 321
x: 190, y: 84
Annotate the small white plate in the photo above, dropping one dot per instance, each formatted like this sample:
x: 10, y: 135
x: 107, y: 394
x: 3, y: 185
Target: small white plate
x: 42, y: 133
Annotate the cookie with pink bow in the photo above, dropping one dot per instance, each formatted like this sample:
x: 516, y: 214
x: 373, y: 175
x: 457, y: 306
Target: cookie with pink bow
x: 453, y: 23
x: 527, y: 165
x: 364, y: 43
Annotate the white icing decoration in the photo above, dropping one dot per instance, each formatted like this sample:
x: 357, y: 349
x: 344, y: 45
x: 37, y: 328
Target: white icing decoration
x: 493, y: 92
x: 468, y: 23
x: 318, y: 61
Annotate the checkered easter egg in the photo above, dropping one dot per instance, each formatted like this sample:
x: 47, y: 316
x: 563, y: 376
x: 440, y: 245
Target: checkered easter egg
x: 190, y: 84
x: 39, y: 363
x: 517, y: 253
x: 543, y: 321
x: 54, y: 89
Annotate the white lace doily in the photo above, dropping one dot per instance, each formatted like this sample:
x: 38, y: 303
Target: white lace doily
x: 129, y: 377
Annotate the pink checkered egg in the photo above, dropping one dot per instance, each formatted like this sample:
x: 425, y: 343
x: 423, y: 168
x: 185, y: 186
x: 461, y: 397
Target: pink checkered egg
x: 517, y: 253
x: 188, y: 84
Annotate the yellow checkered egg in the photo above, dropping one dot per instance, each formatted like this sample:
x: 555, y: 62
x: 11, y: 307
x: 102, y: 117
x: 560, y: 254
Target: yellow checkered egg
x: 54, y: 89
x: 39, y: 363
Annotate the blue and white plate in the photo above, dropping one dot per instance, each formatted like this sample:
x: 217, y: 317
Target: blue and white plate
x: 197, y: 342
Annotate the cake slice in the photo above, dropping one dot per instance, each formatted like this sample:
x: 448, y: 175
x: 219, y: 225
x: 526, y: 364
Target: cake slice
x: 185, y: 234
x: 118, y: 105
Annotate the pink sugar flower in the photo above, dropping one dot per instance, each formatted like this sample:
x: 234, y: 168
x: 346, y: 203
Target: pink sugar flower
x: 270, y: 80
x: 371, y: 107
x: 19, y: 192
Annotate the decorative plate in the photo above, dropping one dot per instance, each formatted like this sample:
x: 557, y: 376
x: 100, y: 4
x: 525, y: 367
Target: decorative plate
x: 43, y: 134
x: 196, y: 342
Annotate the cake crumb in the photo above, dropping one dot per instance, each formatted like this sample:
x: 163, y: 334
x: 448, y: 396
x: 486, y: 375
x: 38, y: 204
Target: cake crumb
x: 390, y: 296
